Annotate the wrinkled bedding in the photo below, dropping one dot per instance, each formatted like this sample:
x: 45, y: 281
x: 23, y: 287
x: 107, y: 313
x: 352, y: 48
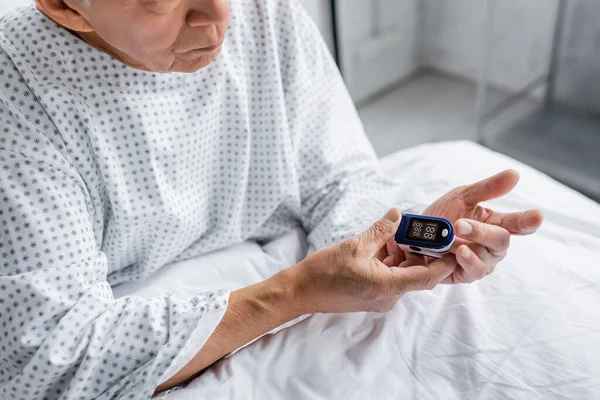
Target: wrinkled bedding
x: 531, y: 330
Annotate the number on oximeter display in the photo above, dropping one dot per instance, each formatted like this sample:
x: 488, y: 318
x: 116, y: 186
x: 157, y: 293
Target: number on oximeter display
x: 429, y: 236
x: 423, y: 230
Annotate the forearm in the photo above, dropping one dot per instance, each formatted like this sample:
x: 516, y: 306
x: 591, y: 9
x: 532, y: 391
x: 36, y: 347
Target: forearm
x: 252, y: 311
x: 352, y: 204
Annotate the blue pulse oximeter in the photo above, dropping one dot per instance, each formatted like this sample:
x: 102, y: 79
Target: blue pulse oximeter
x: 427, y: 236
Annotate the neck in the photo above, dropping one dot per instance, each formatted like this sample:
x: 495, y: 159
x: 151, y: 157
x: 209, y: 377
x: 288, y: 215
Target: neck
x: 96, y: 41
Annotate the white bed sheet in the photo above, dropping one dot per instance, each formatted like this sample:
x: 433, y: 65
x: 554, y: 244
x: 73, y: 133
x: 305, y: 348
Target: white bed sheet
x: 531, y: 330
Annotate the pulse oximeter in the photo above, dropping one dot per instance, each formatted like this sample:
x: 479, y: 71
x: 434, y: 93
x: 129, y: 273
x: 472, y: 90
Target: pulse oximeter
x: 427, y: 236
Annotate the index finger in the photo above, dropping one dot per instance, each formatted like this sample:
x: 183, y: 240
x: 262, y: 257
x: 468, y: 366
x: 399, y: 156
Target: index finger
x: 493, y: 237
x: 420, y: 277
x: 490, y: 188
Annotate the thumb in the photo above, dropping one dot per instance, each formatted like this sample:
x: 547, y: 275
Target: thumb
x: 380, y: 232
x: 420, y: 277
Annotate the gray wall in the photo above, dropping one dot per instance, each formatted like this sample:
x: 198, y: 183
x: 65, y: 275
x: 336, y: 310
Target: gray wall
x: 579, y: 68
x: 449, y: 39
x: 452, y: 38
x: 373, y: 60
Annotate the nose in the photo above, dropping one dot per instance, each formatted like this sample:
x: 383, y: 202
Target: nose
x: 208, y: 12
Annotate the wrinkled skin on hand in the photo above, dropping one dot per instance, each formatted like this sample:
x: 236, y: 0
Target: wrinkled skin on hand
x: 482, y: 235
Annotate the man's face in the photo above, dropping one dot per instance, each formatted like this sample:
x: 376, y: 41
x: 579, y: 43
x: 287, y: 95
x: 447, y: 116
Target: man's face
x: 161, y: 35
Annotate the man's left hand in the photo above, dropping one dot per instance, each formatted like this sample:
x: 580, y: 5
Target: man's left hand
x: 482, y: 235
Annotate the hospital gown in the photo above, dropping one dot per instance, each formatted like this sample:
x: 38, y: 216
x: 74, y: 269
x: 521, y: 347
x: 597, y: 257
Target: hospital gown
x: 108, y: 173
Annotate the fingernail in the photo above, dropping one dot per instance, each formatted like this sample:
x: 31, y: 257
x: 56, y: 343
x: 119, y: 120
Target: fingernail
x: 464, y: 228
x: 392, y: 215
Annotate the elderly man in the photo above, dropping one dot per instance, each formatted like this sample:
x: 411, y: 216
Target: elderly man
x: 136, y: 133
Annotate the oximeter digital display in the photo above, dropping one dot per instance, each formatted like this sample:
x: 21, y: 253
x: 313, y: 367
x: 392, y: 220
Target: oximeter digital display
x: 427, y: 236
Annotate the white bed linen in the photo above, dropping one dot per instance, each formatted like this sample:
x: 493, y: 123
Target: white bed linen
x: 531, y: 330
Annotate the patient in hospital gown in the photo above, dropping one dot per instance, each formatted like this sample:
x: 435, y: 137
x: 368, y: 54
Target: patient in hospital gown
x: 108, y: 173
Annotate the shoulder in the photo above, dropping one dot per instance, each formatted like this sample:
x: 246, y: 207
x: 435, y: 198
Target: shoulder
x: 26, y: 126
x: 264, y: 8
x: 279, y: 31
x: 279, y: 18
x: 17, y: 26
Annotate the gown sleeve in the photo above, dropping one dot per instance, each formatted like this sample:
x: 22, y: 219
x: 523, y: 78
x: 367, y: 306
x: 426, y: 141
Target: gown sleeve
x: 342, y: 188
x: 62, y: 333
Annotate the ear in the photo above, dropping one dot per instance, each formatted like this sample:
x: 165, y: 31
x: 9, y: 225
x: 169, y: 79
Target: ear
x: 66, y: 13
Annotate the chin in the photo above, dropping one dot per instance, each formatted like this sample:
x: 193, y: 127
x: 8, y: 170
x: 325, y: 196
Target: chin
x: 194, y: 64
x: 190, y: 67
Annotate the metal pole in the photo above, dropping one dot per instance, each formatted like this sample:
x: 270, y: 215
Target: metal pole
x: 484, y: 71
x: 556, y: 52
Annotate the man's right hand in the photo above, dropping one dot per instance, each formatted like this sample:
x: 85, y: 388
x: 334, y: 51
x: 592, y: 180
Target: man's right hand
x: 349, y: 277
x: 345, y: 277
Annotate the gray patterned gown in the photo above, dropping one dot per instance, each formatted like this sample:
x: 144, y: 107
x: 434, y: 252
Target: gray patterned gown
x: 109, y: 173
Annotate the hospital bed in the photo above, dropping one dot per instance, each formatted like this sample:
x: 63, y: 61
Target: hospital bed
x: 529, y: 331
